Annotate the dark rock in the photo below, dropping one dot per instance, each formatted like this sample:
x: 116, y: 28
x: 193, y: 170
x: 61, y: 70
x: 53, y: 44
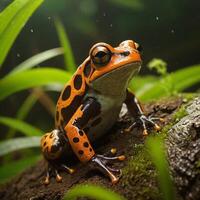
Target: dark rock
x: 184, y: 152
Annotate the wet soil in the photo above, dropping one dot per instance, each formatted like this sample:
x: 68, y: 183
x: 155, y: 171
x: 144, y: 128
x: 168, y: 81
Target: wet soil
x: 135, y: 184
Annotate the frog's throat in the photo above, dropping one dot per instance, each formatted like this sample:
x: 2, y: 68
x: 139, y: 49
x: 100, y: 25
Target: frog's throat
x: 115, y: 82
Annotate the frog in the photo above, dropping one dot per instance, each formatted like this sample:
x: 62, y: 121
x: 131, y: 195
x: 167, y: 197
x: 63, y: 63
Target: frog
x: 89, y: 105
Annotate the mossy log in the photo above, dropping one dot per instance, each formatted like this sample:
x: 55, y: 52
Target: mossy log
x: 139, y: 180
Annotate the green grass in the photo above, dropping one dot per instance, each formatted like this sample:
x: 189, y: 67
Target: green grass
x: 157, y: 152
x: 21, y: 126
x: 64, y: 41
x: 140, y: 174
x: 7, y: 171
x: 91, y: 191
x: 26, y: 79
x: 12, y: 20
x: 15, y: 144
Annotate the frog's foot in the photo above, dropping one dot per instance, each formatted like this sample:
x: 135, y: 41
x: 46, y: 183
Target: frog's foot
x: 50, y: 171
x: 101, y: 162
x: 145, y: 122
x: 53, y: 171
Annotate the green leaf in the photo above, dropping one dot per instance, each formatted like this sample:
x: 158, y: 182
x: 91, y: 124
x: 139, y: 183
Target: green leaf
x: 159, y: 65
x: 139, y: 82
x: 21, y: 126
x: 64, y: 41
x: 7, y: 171
x: 27, y: 105
x: 31, y: 78
x: 177, y: 81
x: 37, y: 59
x: 91, y: 191
x: 158, y: 155
x: 11, y: 145
x: 12, y: 20
x: 23, y: 112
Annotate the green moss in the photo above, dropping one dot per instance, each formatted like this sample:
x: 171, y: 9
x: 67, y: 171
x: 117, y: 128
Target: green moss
x: 177, y: 116
x: 139, y: 175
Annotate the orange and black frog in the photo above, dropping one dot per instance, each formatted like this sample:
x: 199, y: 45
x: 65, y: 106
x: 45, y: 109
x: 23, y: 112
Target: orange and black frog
x: 90, y: 104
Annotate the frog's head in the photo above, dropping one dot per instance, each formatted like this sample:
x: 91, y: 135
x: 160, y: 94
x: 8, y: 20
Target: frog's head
x: 110, y: 69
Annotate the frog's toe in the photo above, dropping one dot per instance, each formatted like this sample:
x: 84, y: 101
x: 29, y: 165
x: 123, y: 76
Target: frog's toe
x: 52, y: 171
x: 148, y: 122
x: 58, y: 177
x: 47, y: 177
x: 68, y: 169
x: 100, y: 162
x: 47, y: 180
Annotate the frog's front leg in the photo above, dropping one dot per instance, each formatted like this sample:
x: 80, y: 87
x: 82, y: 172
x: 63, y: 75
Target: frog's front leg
x: 80, y: 143
x: 136, y: 110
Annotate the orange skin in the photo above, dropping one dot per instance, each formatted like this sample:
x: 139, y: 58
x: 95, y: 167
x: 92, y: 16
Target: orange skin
x: 115, y: 62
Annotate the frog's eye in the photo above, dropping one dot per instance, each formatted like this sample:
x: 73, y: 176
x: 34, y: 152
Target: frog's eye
x: 100, y: 56
x: 138, y: 47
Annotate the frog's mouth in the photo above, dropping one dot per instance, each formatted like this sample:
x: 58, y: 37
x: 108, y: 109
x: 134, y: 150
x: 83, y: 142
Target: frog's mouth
x: 116, y: 81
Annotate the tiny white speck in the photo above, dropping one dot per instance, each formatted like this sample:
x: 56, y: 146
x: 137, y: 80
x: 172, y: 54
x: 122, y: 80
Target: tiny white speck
x: 172, y: 31
x: 31, y: 30
x: 157, y: 18
x: 49, y: 18
x: 18, y: 55
x: 104, y: 14
x: 111, y: 25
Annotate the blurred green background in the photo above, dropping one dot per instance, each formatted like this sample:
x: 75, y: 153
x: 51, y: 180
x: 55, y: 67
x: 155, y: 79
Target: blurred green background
x: 167, y: 29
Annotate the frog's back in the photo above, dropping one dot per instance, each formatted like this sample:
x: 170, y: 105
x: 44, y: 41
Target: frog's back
x: 70, y: 98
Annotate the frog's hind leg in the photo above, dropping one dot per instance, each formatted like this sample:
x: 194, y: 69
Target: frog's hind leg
x: 53, y: 145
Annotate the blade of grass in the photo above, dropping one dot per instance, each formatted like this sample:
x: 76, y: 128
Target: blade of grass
x: 36, y: 94
x: 12, y: 20
x: 7, y: 171
x: 21, y: 126
x: 31, y: 78
x: 37, y: 59
x: 179, y: 80
x: 139, y: 82
x: 91, y: 191
x: 64, y: 41
x: 157, y: 153
x: 23, y: 112
x: 11, y: 145
x: 45, y: 100
x: 26, y: 106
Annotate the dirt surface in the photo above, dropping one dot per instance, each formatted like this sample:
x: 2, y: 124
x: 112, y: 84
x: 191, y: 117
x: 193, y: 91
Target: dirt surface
x: 138, y: 181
